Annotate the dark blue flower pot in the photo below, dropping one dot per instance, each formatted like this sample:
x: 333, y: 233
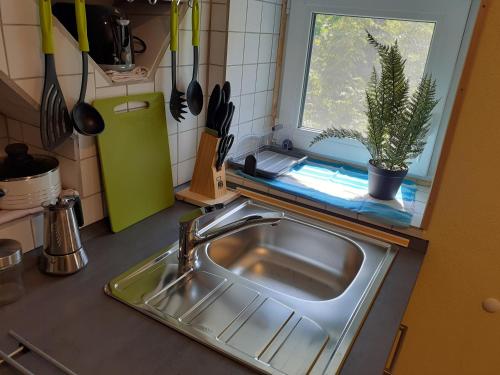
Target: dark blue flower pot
x: 382, y: 183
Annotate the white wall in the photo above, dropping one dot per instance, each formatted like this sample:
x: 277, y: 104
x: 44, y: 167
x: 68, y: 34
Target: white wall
x: 248, y: 29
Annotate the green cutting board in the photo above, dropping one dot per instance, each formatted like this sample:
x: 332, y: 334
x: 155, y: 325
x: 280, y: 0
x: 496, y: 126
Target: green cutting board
x: 135, y: 158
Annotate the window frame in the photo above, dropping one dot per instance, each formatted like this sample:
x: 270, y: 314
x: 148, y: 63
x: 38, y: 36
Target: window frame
x: 296, y: 69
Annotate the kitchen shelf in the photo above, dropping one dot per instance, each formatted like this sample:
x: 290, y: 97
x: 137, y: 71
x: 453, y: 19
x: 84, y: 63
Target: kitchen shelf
x: 149, y: 22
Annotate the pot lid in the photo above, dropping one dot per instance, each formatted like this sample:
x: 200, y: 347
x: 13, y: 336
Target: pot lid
x: 20, y: 164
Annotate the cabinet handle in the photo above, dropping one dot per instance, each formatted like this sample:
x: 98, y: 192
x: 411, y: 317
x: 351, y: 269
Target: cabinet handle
x: 396, y: 349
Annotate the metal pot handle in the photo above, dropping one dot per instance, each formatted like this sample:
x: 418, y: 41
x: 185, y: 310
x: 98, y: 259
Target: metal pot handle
x: 74, y: 197
x: 77, y: 208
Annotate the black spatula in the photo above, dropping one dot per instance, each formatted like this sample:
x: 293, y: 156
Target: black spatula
x: 55, y: 123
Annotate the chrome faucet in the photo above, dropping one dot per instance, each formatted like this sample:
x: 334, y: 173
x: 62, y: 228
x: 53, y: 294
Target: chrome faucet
x: 189, y: 238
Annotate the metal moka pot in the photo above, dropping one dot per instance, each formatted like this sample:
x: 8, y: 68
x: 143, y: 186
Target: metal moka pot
x: 63, y: 252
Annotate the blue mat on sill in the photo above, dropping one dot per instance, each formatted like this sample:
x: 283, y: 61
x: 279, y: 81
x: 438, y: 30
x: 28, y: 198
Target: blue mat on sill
x: 343, y: 187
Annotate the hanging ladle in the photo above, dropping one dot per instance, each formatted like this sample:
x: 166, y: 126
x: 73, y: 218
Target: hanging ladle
x: 194, y: 94
x: 86, y: 119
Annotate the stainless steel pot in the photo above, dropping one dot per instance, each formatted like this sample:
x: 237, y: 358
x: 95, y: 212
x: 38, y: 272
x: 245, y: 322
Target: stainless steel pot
x: 27, y: 181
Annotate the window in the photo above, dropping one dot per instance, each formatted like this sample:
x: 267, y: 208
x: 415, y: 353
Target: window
x: 328, y: 63
x: 340, y: 63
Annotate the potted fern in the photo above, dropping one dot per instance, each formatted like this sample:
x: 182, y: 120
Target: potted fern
x: 398, y: 123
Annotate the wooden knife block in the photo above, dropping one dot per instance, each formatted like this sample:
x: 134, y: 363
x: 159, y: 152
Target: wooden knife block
x: 208, y: 186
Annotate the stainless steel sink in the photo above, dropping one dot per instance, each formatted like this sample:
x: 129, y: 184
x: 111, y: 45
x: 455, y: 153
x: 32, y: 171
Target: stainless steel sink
x: 284, y: 299
x: 292, y: 258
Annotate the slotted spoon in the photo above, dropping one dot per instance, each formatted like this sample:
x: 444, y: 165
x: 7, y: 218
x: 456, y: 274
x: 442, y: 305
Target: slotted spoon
x: 55, y: 123
x: 177, y: 99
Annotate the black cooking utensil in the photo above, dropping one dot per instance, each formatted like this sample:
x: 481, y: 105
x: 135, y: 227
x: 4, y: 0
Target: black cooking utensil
x: 55, y: 123
x: 194, y: 93
x: 222, y: 97
x: 177, y: 99
x: 213, y: 105
x: 224, y: 129
x: 225, y: 145
x: 226, y: 89
x: 221, y: 116
x: 86, y: 119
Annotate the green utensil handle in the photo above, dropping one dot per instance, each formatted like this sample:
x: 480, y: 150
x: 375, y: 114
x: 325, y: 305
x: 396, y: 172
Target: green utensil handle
x: 196, y: 23
x: 174, y: 16
x: 46, y: 26
x: 81, y: 25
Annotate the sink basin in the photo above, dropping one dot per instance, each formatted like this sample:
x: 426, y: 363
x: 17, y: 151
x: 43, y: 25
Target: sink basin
x: 283, y: 299
x: 292, y: 258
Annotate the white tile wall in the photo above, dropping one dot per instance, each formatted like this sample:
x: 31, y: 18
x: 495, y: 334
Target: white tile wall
x: 86, y: 147
x: 251, y: 51
x: 274, y: 50
x: 237, y: 106
x: 140, y: 88
x: 244, y: 129
x: 21, y: 231
x: 237, y: 15
x: 259, y: 109
x: 272, y: 76
x: 265, y: 48
x: 107, y: 92
x: 277, y: 15
x: 250, y: 56
x: 185, y: 171
x: 248, y: 79
x: 93, y: 208
x: 19, y: 12
x: 267, y: 24
x: 91, y: 180
x: 246, y: 107
x: 70, y: 173
x: 187, y: 144
x: 235, y: 48
x: 173, y: 146
x: 234, y: 75
x: 163, y: 81
x: 254, y: 16
x: 174, y: 173
x: 262, y: 77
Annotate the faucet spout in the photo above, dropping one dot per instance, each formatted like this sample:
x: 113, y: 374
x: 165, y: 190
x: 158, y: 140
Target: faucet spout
x: 189, y: 238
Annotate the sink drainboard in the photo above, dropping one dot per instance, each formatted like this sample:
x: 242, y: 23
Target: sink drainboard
x: 258, y: 326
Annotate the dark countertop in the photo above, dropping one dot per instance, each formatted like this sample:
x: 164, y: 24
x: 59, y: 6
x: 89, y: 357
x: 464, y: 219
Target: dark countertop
x: 75, y: 322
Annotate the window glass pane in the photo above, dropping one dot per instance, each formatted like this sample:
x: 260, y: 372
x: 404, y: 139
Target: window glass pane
x: 342, y: 61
